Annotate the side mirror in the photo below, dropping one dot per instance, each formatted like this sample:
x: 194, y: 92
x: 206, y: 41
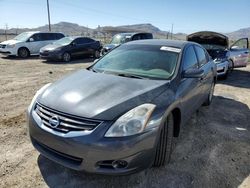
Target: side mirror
x: 193, y: 73
x: 31, y: 40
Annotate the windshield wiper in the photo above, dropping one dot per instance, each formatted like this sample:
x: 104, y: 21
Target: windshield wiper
x: 92, y: 69
x: 131, y: 76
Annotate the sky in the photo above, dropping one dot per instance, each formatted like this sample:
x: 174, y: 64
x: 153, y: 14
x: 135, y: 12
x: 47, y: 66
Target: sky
x: 187, y: 16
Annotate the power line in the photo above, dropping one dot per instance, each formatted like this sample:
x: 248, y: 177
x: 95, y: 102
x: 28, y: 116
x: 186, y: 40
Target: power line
x: 88, y: 9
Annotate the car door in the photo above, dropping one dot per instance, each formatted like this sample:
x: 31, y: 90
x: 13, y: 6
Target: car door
x: 34, y: 43
x: 239, y: 52
x: 78, y: 47
x: 90, y: 46
x: 189, y: 88
x: 204, y: 64
x: 48, y: 38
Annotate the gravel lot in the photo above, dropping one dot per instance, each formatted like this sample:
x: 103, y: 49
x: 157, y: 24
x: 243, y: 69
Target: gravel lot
x: 213, y: 149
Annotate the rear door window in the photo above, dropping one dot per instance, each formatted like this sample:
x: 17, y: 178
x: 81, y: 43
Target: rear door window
x: 84, y: 40
x: 58, y: 36
x: 46, y: 36
x: 201, y: 54
x: 189, y: 59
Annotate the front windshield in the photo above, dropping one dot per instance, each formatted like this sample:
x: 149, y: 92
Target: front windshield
x: 213, y: 47
x: 118, y: 39
x: 23, y: 36
x: 147, y: 61
x: 64, y: 41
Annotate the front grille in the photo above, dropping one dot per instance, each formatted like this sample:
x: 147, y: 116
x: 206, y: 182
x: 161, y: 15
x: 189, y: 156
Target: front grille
x: 67, y: 122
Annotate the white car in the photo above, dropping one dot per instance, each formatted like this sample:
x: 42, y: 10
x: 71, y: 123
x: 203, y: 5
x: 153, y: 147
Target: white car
x: 28, y: 43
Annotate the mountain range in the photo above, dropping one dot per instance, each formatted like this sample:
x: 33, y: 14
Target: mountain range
x: 108, y: 31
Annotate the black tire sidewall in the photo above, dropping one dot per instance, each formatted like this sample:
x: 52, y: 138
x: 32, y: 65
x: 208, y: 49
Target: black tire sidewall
x: 20, y: 52
x: 64, y: 58
x: 165, y: 142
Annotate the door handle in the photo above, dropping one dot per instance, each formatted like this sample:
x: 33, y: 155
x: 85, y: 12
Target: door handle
x: 246, y: 52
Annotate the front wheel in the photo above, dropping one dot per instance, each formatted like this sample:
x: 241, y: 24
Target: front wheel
x: 210, y: 95
x: 230, y: 66
x: 164, y: 146
x: 66, y: 57
x: 23, y: 52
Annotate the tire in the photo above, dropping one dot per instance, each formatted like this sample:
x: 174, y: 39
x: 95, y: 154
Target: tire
x: 164, y: 145
x: 66, y: 57
x: 23, y: 52
x: 210, y: 95
x: 231, y: 66
x: 97, y: 54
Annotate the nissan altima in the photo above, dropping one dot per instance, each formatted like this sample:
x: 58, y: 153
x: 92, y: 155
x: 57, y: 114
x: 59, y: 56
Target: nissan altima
x: 120, y: 115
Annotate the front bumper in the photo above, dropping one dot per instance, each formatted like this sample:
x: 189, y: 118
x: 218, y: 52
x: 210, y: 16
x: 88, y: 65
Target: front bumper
x: 222, y: 68
x: 50, y: 56
x: 8, y: 51
x: 95, y: 153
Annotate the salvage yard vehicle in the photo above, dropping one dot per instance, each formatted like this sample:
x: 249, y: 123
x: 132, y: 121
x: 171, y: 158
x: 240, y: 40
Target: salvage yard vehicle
x: 225, y: 57
x: 120, y: 115
x: 69, y: 47
x: 121, y: 38
x: 28, y: 43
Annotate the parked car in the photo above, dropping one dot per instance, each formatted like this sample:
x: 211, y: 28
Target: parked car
x: 68, y: 47
x: 120, y: 115
x: 218, y: 48
x: 121, y: 38
x: 28, y: 43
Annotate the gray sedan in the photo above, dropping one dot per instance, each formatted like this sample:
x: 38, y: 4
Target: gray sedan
x: 120, y: 115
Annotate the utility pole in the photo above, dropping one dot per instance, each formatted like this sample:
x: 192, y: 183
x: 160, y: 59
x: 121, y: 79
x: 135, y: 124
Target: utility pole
x: 6, y: 28
x: 172, y: 28
x: 48, y: 14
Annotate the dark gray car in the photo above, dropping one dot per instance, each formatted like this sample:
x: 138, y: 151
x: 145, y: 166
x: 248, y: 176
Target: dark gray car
x: 120, y: 115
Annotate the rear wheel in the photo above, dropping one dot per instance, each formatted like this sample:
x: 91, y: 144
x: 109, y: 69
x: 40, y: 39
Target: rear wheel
x: 66, y: 57
x: 164, y: 146
x: 210, y: 95
x: 23, y: 52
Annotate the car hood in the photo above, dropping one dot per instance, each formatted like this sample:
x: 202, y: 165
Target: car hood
x: 98, y: 95
x: 50, y: 47
x: 209, y: 37
x: 10, y: 42
x: 110, y: 46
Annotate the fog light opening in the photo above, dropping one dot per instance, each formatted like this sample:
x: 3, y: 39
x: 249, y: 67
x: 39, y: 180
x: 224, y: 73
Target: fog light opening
x: 119, y: 164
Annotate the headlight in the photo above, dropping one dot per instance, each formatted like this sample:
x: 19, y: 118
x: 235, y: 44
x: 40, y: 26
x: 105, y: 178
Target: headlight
x: 220, y: 60
x: 131, y: 123
x: 11, y: 45
x: 36, y: 95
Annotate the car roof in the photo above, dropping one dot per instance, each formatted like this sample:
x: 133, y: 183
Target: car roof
x: 161, y: 42
x: 133, y: 33
x: 33, y: 32
x: 76, y: 37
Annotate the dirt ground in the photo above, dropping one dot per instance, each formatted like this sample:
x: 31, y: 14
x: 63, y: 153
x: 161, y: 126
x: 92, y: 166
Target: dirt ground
x: 213, y: 149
